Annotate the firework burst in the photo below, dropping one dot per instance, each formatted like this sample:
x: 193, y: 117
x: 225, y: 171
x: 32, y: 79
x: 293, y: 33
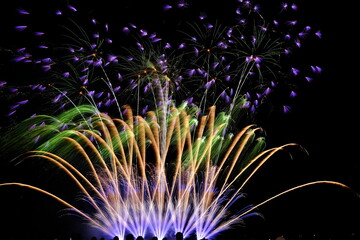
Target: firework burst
x: 206, y: 62
x: 171, y: 162
x: 135, y: 182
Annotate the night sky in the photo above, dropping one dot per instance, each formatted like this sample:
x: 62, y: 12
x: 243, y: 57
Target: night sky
x: 323, y: 120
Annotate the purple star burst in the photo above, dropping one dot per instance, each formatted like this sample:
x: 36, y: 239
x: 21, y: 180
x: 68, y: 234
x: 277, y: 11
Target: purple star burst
x: 159, y: 75
x: 204, y: 63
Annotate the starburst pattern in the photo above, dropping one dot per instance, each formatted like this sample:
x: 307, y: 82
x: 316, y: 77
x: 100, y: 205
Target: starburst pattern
x: 208, y: 62
x: 174, y: 160
x: 134, y: 185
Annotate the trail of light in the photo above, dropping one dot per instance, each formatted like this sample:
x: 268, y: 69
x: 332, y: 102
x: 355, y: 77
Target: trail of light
x: 137, y: 190
x: 81, y: 213
x: 226, y: 224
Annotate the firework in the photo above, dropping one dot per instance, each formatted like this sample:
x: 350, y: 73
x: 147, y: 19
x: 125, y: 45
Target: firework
x: 175, y: 160
x: 136, y: 182
x: 208, y: 62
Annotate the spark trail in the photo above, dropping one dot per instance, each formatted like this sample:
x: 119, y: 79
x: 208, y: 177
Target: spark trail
x: 131, y: 186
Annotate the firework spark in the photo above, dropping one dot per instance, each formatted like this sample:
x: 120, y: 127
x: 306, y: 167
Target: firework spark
x: 213, y: 63
x: 170, y: 163
x: 136, y: 182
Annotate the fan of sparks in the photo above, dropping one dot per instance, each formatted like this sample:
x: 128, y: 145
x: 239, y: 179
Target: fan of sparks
x: 140, y: 178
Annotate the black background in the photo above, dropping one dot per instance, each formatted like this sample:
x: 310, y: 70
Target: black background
x: 324, y: 120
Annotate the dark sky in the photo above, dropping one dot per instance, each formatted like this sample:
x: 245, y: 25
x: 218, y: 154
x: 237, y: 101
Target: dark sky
x: 324, y: 121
